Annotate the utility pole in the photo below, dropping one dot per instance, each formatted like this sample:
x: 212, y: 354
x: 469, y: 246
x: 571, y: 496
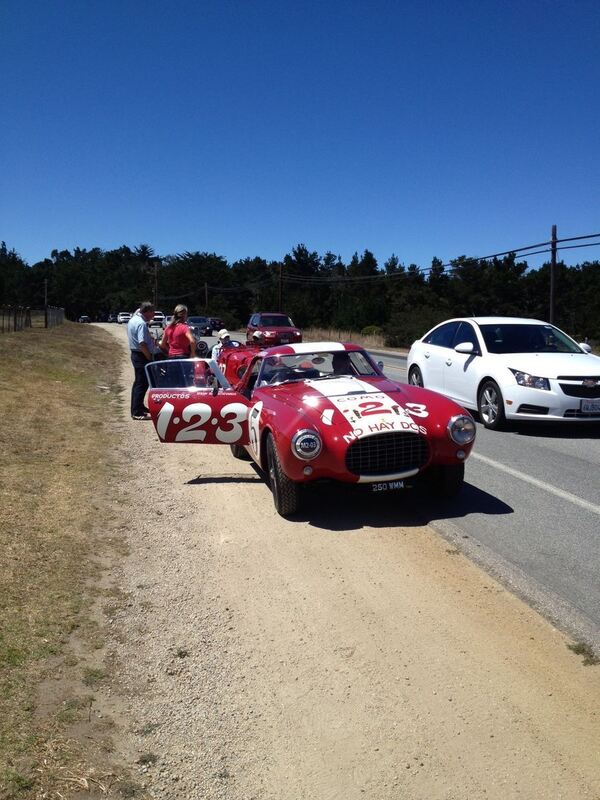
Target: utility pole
x: 205, y: 295
x: 552, y: 274
x: 155, y: 285
x: 45, y: 302
x: 280, y: 287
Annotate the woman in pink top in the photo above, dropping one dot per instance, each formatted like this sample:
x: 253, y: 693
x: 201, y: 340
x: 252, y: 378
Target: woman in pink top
x: 178, y: 340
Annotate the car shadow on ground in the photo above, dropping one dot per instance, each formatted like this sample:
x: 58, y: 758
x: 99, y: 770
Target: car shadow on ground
x: 549, y: 430
x: 340, y: 508
x: 207, y: 479
x: 557, y: 430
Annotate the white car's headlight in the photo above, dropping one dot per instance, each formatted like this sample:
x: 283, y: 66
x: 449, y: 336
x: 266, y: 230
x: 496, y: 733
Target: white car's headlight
x: 532, y: 381
x: 461, y: 429
x: 306, y: 444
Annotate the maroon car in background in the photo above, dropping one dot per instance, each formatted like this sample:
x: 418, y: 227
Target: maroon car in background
x: 276, y: 328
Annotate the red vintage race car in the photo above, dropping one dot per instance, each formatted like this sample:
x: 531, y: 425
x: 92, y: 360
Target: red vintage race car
x: 313, y: 412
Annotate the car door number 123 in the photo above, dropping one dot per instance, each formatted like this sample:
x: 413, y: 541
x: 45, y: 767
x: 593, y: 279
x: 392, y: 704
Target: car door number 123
x: 198, y: 415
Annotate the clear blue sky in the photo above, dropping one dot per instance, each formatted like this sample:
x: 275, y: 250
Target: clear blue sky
x: 245, y: 127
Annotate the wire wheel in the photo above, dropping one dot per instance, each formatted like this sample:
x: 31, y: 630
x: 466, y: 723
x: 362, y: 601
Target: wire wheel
x: 286, y: 493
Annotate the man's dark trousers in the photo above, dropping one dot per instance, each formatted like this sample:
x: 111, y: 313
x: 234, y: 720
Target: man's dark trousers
x: 140, y: 384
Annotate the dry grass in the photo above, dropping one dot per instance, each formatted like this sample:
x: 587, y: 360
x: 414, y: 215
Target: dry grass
x: 55, y: 451
x: 372, y: 342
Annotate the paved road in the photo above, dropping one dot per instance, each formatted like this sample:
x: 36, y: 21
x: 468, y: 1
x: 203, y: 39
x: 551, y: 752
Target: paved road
x: 531, y: 514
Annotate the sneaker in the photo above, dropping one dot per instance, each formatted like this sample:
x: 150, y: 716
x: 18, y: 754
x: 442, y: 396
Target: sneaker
x: 141, y: 416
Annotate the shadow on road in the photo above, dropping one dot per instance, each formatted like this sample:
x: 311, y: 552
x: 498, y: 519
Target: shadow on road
x: 558, y: 430
x: 338, y: 508
x: 207, y: 479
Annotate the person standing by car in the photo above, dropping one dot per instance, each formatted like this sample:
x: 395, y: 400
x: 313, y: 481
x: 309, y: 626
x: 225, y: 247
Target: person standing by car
x: 142, y: 347
x: 178, y: 341
x: 223, y: 344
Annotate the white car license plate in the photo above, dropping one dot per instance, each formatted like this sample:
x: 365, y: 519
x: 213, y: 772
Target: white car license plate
x: 285, y: 340
x: 590, y: 406
x: 386, y: 486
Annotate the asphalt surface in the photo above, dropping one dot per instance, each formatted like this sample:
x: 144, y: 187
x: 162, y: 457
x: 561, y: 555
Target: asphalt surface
x: 530, y: 514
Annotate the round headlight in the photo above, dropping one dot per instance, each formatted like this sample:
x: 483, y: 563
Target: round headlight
x: 461, y: 429
x: 306, y: 445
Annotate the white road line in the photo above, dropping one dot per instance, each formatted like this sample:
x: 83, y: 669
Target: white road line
x: 547, y: 487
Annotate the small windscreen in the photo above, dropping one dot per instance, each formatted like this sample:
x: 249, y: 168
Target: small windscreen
x: 315, y: 366
x: 275, y: 321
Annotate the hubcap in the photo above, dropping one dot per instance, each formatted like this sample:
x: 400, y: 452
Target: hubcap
x: 415, y: 379
x: 489, y: 405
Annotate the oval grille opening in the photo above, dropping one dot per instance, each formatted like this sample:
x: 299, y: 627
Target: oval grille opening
x: 387, y: 453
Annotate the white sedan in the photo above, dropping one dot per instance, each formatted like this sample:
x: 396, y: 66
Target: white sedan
x: 508, y: 368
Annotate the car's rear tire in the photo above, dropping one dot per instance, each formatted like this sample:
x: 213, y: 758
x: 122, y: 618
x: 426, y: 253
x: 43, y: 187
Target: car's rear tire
x: 490, y: 405
x: 237, y: 451
x: 286, y: 493
x: 415, y: 378
x: 446, y: 480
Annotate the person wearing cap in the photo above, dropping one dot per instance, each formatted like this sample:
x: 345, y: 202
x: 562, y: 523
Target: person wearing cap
x: 223, y: 343
x: 258, y: 339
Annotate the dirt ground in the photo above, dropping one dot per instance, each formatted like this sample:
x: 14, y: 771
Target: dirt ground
x: 351, y: 654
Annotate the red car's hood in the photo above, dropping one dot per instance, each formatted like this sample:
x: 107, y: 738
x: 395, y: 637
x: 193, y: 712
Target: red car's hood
x: 348, y: 404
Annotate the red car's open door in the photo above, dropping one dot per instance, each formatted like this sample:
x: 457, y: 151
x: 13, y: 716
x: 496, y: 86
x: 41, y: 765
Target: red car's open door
x: 191, y: 401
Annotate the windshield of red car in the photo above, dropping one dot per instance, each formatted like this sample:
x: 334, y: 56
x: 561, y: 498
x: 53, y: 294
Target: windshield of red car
x: 315, y: 366
x: 516, y: 338
x: 275, y: 321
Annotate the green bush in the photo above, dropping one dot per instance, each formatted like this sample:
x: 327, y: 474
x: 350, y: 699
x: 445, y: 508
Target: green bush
x: 372, y: 330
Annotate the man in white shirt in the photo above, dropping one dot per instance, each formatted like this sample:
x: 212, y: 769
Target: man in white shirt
x: 142, y: 347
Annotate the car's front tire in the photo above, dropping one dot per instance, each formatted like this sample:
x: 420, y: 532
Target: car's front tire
x: 490, y: 405
x: 415, y: 378
x: 286, y: 493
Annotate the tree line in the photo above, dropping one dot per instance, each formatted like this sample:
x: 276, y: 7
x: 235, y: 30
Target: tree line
x: 402, y: 302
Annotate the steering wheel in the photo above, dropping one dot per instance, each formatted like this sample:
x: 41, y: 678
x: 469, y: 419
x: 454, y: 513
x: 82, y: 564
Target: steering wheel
x: 279, y: 375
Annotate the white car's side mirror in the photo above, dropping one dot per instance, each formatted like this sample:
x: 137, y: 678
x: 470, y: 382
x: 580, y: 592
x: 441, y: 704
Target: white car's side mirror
x: 464, y: 347
x: 585, y: 347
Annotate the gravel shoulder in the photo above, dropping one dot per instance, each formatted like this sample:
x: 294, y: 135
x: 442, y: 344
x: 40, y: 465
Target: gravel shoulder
x: 340, y: 656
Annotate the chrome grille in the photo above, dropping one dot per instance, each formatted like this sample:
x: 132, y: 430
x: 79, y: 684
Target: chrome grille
x: 387, y: 454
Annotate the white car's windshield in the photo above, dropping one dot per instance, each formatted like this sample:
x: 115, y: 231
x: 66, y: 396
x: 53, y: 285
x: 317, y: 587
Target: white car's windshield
x: 515, y: 338
x: 314, y: 366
